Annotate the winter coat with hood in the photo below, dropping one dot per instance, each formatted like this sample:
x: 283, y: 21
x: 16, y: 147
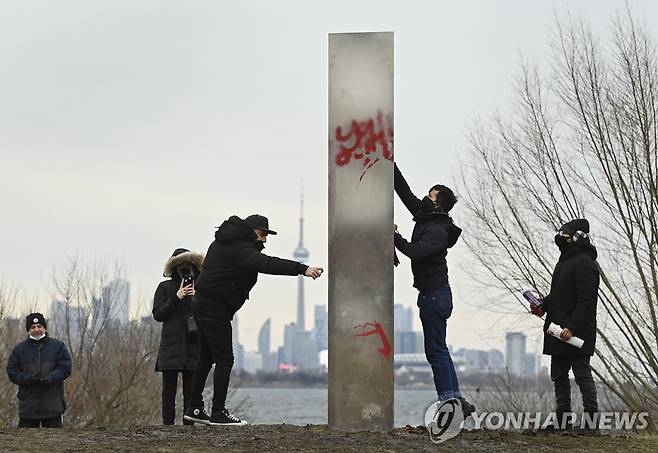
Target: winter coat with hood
x: 230, y: 269
x: 433, y: 234
x: 179, y: 345
x: 572, y: 300
x: 45, y: 358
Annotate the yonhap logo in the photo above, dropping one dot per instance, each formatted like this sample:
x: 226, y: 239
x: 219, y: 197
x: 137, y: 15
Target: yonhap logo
x: 444, y: 420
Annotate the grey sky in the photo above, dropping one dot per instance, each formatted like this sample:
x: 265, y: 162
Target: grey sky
x: 130, y: 128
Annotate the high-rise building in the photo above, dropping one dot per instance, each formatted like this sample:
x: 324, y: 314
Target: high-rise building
x: 264, y: 337
x: 530, y: 365
x: 321, y: 327
x: 268, y: 359
x: 516, y: 354
x: 408, y: 342
x: 253, y: 362
x: 235, y: 327
x: 480, y: 361
x: 299, y: 348
x: 68, y: 321
x: 402, y: 318
x: 289, y: 339
x: 114, y: 303
x: 301, y: 254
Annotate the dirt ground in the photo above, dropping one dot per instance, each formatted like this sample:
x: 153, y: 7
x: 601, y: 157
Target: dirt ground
x: 178, y: 439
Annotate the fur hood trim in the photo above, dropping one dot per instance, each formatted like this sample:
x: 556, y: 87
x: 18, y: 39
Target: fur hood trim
x: 192, y: 259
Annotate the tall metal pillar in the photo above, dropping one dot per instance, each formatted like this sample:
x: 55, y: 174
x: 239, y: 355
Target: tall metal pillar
x: 361, y: 231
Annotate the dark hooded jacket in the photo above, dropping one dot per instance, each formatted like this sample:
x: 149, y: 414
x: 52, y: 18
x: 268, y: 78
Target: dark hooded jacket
x: 179, y: 345
x: 45, y: 358
x: 231, y: 267
x: 433, y: 234
x: 572, y: 300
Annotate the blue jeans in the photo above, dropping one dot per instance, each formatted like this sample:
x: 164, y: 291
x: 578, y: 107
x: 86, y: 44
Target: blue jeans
x: 435, y: 309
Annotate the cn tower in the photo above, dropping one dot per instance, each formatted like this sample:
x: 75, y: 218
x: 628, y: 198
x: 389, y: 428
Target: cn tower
x: 301, y: 254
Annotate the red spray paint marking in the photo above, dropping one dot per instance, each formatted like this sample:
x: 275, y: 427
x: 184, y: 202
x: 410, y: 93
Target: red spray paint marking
x: 366, y: 139
x: 386, y: 349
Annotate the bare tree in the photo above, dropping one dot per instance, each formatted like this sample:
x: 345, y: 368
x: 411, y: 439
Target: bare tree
x: 113, y: 380
x: 11, y: 333
x: 580, y: 141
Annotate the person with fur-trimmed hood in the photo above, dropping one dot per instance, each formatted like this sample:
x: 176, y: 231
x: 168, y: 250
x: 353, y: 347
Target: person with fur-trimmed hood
x: 179, y: 344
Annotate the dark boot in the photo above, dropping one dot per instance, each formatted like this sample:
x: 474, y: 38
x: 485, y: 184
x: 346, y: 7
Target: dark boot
x: 467, y: 408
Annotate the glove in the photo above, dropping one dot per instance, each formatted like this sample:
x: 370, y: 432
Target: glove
x: 32, y: 381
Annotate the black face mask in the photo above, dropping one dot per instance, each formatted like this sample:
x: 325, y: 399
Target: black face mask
x: 260, y: 245
x: 427, y: 205
x: 561, y: 241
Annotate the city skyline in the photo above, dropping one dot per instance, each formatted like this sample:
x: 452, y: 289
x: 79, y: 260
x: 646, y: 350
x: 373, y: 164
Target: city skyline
x: 104, y: 107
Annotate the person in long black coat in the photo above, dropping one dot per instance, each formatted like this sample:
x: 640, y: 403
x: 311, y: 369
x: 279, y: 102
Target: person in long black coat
x: 230, y: 271
x: 179, y: 344
x: 571, y: 304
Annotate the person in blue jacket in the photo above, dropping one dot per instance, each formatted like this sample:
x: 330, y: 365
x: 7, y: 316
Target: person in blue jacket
x: 39, y: 365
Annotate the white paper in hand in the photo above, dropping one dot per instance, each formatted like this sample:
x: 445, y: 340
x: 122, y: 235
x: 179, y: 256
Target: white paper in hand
x: 554, y: 330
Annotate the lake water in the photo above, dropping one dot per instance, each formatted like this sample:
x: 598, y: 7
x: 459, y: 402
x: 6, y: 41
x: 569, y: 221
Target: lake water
x: 309, y: 405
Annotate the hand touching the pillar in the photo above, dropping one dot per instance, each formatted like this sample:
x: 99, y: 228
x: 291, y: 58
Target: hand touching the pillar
x: 313, y: 272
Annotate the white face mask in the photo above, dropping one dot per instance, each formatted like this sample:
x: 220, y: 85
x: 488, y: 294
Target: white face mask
x: 37, y: 338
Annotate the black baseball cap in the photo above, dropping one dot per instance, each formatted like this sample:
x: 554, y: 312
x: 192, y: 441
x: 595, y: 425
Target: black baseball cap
x: 259, y: 222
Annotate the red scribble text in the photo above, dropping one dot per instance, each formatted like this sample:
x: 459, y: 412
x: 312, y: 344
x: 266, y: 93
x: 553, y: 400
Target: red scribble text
x: 367, y: 140
x: 371, y: 328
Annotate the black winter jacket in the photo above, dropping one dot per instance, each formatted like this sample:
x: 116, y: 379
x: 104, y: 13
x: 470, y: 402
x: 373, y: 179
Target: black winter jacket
x: 179, y: 348
x: 45, y: 358
x: 230, y: 269
x: 572, y: 300
x: 433, y: 235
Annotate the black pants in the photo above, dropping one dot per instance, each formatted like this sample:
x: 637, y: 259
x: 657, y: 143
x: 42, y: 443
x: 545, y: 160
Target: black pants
x: 53, y: 422
x: 169, y: 389
x: 216, y: 342
x: 560, y: 366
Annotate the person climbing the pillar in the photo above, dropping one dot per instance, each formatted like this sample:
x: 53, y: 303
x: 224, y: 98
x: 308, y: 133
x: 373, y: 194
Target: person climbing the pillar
x: 433, y: 234
x: 229, y: 272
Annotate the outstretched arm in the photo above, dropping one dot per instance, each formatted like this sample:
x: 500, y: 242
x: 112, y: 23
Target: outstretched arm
x: 407, y: 197
x: 253, y: 260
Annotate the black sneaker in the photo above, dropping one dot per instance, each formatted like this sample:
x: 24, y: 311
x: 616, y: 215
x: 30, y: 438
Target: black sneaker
x: 467, y: 408
x: 197, y: 415
x: 225, y: 418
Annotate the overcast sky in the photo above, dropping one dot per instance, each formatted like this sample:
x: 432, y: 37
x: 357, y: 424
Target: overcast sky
x: 131, y: 128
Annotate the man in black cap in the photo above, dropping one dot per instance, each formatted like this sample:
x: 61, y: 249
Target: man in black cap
x: 39, y: 365
x: 571, y: 304
x: 229, y: 272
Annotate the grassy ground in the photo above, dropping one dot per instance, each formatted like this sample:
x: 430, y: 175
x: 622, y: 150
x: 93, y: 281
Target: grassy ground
x: 177, y: 439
